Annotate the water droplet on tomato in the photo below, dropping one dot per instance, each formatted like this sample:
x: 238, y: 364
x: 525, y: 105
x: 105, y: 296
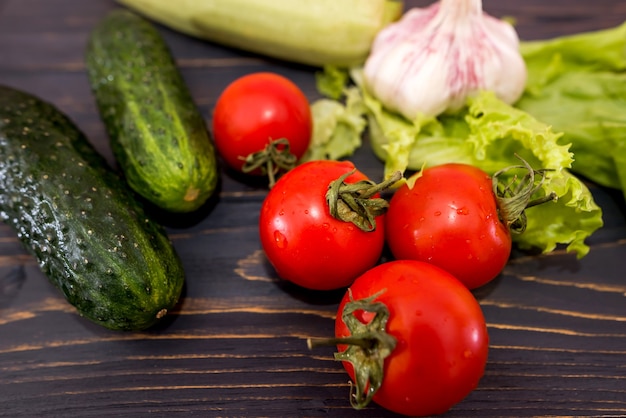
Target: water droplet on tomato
x: 306, y: 211
x: 462, y: 211
x: 438, y: 213
x: 325, y: 225
x: 281, y: 240
x: 281, y: 213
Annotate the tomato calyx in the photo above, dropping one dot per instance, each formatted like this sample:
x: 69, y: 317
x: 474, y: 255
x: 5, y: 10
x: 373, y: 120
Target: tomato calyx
x: 354, y: 202
x: 276, y: 156
x: 515, y: 196
x: 368, y: 346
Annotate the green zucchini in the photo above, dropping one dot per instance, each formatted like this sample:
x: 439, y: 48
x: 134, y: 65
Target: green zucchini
x: 157, y: 133
x: 312, y: 32
x: 89, y: 234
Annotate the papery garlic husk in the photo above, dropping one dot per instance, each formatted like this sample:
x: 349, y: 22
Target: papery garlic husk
x: 433, y: 58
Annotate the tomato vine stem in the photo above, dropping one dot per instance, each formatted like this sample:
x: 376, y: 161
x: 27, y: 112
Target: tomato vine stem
x: 276, y: 156
x: 515, y: 196
x: 355, y: 202
x: 368, y: 346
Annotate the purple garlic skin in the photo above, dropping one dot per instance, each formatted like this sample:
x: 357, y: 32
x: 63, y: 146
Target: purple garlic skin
x: 433, y: 58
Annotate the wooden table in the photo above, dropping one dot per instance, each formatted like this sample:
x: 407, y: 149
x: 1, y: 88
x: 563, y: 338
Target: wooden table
x: 236, y: 345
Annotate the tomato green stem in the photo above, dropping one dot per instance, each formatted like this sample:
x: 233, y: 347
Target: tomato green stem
x: 276, y: 156
x: 355, y: 202
x: 368, y: 346
x: 364, y: 343
x: 515, y: 196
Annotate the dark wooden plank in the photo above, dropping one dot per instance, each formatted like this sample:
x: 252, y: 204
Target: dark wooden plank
x: 235, y: 346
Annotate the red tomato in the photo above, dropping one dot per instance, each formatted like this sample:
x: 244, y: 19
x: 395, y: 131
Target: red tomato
x: 440, y: 332
x: 303, y: 241
x: 256, y: 109
x: 449, y: 218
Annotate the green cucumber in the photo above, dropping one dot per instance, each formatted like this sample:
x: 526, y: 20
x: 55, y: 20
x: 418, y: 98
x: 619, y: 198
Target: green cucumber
x: 89, y: 234
x: 157, y: 133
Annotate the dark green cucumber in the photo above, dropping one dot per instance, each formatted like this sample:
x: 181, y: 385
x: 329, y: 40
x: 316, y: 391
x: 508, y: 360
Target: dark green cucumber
x: 157, y: 133
x: 88, y: 232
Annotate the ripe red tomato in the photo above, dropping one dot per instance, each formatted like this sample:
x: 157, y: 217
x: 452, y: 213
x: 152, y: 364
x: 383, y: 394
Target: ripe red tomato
x: 303, y: 241
x: 450, y: 218
x: 256, y: 109
x: 441, y: 339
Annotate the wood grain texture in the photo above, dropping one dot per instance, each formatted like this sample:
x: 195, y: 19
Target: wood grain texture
x: 235, y: 346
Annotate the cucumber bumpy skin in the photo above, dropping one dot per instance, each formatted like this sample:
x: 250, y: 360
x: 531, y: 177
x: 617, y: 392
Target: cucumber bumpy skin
x: 158, y: 136
x: 89, y: 234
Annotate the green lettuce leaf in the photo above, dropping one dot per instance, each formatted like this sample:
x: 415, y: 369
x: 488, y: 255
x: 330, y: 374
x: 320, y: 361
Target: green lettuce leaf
x: 337, y: 127
x: 332, y: 81
x: 488, y: 133
x: 577, y: 84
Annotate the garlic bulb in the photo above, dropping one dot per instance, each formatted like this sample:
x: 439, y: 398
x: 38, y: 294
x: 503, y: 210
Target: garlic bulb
x: 430, y: 60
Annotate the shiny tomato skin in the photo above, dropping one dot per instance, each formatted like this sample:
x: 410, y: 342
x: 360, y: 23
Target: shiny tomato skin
x: 441, y: 336
x: 303, y: 242
x: 449, y: 218
x: 257, y: 108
